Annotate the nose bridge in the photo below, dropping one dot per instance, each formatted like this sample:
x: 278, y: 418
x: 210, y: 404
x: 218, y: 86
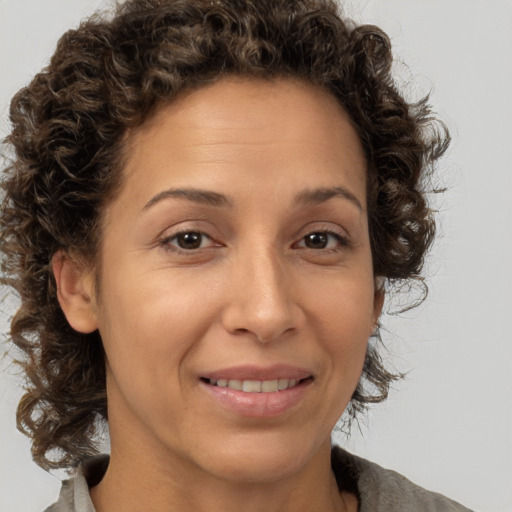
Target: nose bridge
x: 262, y: 300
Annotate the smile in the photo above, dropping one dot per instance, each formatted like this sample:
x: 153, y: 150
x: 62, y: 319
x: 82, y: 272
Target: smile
x: 258, y: 391
x: 255, y: 386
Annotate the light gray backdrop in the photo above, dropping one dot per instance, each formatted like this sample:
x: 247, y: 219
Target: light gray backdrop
x: 449, y: 425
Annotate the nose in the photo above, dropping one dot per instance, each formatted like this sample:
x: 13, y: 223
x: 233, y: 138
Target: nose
x: 262, y: 302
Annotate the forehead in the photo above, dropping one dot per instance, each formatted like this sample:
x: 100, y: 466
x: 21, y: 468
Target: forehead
x: 278, y: 129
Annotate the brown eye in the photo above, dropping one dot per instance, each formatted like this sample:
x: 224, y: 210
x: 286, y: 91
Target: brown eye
x: 316, y: 240
x: 189, y: 240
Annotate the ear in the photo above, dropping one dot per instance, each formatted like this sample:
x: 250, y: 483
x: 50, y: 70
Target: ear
x: 75, y: 292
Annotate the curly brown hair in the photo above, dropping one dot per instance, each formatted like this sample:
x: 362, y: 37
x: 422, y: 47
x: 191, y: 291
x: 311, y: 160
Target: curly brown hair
x: 108, y: 76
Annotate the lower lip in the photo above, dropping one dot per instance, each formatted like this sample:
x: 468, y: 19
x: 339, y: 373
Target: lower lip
x: 258, y: 405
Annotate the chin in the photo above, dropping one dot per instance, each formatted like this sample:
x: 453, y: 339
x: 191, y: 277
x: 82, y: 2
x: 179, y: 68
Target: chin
x: 263, y: 461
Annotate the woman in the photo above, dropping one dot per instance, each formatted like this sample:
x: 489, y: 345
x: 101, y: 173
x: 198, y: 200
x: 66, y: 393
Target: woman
x: 206, y: 201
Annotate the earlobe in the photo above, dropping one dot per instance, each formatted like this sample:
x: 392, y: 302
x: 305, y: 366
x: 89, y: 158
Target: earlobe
x: 75, y: 292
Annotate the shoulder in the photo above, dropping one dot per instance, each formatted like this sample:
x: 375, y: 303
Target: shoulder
x: 384, y: 490
x: 74, y: 494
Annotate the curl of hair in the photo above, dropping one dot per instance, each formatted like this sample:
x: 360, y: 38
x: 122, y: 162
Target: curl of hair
x: 107, y: 77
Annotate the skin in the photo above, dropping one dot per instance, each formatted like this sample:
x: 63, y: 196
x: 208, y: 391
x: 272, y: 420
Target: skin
x: 255, y: 292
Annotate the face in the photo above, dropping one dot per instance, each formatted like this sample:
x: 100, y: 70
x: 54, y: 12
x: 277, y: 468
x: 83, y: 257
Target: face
x: 237, y: 293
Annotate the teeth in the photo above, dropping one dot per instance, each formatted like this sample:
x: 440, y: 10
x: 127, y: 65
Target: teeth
x: 267, y: 386
x: 282, y: 384
x: 251, y: 386
x: 236, y: 384
x: 255, y: 386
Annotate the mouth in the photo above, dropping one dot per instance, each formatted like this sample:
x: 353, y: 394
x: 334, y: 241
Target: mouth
x: 254, y: 391
x: 257, y: 386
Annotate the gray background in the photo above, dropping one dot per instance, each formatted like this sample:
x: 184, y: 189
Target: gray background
x: 448, y: 426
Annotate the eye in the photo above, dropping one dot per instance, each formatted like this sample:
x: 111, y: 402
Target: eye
x: 188, y: 241
x: 322, y: 240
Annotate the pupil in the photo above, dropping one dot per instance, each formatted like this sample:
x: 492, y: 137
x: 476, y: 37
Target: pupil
x: 316, y: 240
x: 190, y: 240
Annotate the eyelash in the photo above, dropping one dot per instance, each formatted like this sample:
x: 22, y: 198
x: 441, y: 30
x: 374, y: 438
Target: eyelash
x: 343, y: 242
x: 166, y: 242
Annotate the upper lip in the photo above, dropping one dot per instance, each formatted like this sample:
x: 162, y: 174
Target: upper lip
x: 251, y: 372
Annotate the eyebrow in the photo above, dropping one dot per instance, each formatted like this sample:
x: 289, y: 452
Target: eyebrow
x: 207, y: 197
x: 321, y: 195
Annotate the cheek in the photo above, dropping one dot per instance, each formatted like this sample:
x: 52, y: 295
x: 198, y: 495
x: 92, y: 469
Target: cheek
x: 344, y: 314
x: 343, y: 304
x: 150, y: 325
